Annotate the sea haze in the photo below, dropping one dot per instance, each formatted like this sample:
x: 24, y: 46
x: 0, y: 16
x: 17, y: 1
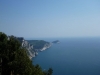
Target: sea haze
x: 72, y: 56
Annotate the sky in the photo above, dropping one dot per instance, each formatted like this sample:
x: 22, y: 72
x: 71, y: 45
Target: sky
x: 50, y: 18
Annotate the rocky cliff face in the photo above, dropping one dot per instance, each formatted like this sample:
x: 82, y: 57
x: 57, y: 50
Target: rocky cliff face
x: 46, y: 46
x: 30, y: 49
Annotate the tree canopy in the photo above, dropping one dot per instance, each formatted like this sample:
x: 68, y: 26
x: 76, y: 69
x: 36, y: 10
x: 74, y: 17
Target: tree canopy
x: 14, y: 59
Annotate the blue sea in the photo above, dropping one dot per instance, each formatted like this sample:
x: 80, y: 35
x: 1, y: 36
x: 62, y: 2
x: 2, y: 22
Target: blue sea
x: 72, y: 56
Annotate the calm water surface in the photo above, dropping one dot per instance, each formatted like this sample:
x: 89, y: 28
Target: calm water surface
x: 73, y: 56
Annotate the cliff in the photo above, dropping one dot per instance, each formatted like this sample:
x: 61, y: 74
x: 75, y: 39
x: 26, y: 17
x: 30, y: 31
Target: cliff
x: 33, y: 46
x: 29, y: 48
x: 39, y: 45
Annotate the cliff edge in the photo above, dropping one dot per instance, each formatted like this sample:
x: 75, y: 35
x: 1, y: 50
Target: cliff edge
x: 33, y: 46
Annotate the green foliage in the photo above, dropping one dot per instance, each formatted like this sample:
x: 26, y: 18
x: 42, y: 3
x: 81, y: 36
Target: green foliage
x: 38, y: 44
x: 49, y: 72
x: 14, y: 59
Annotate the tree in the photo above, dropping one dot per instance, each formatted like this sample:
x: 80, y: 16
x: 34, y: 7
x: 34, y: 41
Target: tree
x: 14, y: 59
x: 3, y: 52
x: 50, y: 71
x: 13, y: 56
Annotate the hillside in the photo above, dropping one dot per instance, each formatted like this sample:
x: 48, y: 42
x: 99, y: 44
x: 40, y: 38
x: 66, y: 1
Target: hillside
x: 39, y: 45
x: 14, y: 59
x: 33, y: 46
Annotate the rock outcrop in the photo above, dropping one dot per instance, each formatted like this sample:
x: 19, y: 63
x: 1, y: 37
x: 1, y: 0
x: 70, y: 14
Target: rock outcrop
x: 33, y: 46
x: 46, y: 46
x: 29, y: 48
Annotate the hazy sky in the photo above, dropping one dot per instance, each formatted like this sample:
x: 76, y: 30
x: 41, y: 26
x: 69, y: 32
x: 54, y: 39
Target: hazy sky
x: 50, y: 18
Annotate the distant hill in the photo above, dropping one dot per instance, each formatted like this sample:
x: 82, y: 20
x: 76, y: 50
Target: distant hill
x: 33, y: 46
x: 39, y: 44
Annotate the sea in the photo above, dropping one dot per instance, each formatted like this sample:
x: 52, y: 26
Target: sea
x: 72, y: 56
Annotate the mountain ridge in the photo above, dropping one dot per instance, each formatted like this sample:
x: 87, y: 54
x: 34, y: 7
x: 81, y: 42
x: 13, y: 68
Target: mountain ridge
x: 33, y: 46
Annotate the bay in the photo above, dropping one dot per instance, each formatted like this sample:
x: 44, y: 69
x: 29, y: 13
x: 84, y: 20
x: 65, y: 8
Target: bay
x: 72, y: 56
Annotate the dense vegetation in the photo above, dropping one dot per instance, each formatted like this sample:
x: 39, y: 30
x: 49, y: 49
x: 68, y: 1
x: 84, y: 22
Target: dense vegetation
x: 14, y: 59
x: 38, y: 44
